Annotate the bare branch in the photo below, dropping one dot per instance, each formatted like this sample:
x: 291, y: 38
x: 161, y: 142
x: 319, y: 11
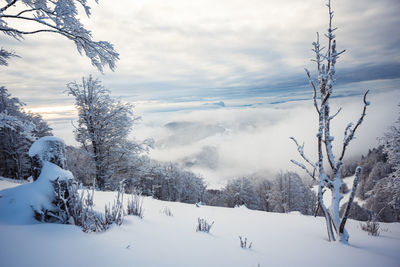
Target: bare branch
x: 301, y: 165
x: 351, y: 133
x: 315, y: 90
x: 301, y: 152
x: 7, y: 6
x: 332, y: 117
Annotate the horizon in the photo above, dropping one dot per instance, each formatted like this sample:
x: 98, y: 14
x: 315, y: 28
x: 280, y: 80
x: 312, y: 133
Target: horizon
x: 182, y: 61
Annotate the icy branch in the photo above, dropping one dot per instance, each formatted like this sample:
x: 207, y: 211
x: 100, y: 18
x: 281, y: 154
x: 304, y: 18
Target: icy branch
x: 333, y: 116
x: 315, y: 90
x: 301, y: 165
x: 300, y: 149
x: 352, y: 195
x: 349, y: 132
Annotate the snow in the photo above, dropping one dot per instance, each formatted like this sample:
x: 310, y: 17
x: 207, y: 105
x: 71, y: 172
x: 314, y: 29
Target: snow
x: 17, y: 203
x: 41, y: 147
x: 159, y: 240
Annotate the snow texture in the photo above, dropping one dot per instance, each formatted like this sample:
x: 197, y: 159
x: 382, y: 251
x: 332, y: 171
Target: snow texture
x: 158, y: 240
x: 18, y: 203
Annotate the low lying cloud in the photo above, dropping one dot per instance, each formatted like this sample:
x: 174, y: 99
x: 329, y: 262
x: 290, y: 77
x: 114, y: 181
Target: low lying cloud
x: 229, y: 142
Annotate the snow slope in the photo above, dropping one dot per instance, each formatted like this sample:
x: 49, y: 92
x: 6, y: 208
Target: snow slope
x: 159, y: 240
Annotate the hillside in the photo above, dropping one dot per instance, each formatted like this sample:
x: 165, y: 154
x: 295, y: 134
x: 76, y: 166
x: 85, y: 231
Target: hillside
x: 160, y: 240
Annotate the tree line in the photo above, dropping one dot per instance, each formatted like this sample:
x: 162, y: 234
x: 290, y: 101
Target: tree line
x: 106, y: 157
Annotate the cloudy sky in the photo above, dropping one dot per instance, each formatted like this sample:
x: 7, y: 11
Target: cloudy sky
x: 220, y: 84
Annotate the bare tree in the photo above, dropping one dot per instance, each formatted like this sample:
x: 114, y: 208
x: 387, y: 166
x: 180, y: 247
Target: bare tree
x: 53, y: 16
x: 323, y: 90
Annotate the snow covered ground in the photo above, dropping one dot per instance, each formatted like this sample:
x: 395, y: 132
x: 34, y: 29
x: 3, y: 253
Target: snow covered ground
x: 160, y: 240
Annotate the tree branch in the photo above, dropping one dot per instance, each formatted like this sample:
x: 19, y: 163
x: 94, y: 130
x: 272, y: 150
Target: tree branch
x: 300, y: 149
x: 301, y: 165
x: 314, y: 88
x: 353, y: 193
x: 7, y: 6
x: 350, y: 136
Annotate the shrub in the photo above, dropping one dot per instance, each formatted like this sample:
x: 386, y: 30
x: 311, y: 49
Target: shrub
x: 372, y: 227
x: 167, y: 212
x: 135, y: 205
x: 115, y: 214
x: 244, y: 244
x: 203, y: 225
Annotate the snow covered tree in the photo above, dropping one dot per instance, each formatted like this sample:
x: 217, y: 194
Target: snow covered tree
x: 323, y: 90
x: 169, y: 182
x: 384, y: 197
x: 289, y: 193
x: 240, y: 192
x: 392, y: 149
x: 103, y: 127
x: 18, y: 130
x: 80, y: 163
x: 263, y: 189
x: 56, y: 16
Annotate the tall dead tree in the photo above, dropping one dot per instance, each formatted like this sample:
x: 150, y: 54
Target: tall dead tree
x: 325, y: 61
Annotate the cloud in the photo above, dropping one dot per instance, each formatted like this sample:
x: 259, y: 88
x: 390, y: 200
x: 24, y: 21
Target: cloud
x: 187, y: 48
x: 224, y: 143
x: 228, y: 74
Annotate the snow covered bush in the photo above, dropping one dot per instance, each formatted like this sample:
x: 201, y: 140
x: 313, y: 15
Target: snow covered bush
x: 47, y: 149
x: 372, y: 227
x: 167, y: 212
x: 323, y: 90
x: 115, y: 213
x: 62, y: 203
x: 48, y: 172
x: 203, y: 225
x: 135, y: 205
x: 244, y: 243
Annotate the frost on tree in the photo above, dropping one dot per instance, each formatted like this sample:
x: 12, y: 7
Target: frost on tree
x: 325, y: 60
x: 18, y: 130
x: 385, y: 195
x: 103, y: 128
x: 56, y: 16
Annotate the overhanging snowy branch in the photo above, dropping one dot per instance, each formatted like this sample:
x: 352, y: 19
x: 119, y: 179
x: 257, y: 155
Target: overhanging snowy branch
x: 60, y: 17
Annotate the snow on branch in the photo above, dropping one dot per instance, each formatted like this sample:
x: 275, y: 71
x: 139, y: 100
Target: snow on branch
x: 314, y: 88
x: 5, y: 55
x: 333, y: 116
x: 349, y: 131
x: 301, y: 165
x: 60, y: 17
x: 300, y: 149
